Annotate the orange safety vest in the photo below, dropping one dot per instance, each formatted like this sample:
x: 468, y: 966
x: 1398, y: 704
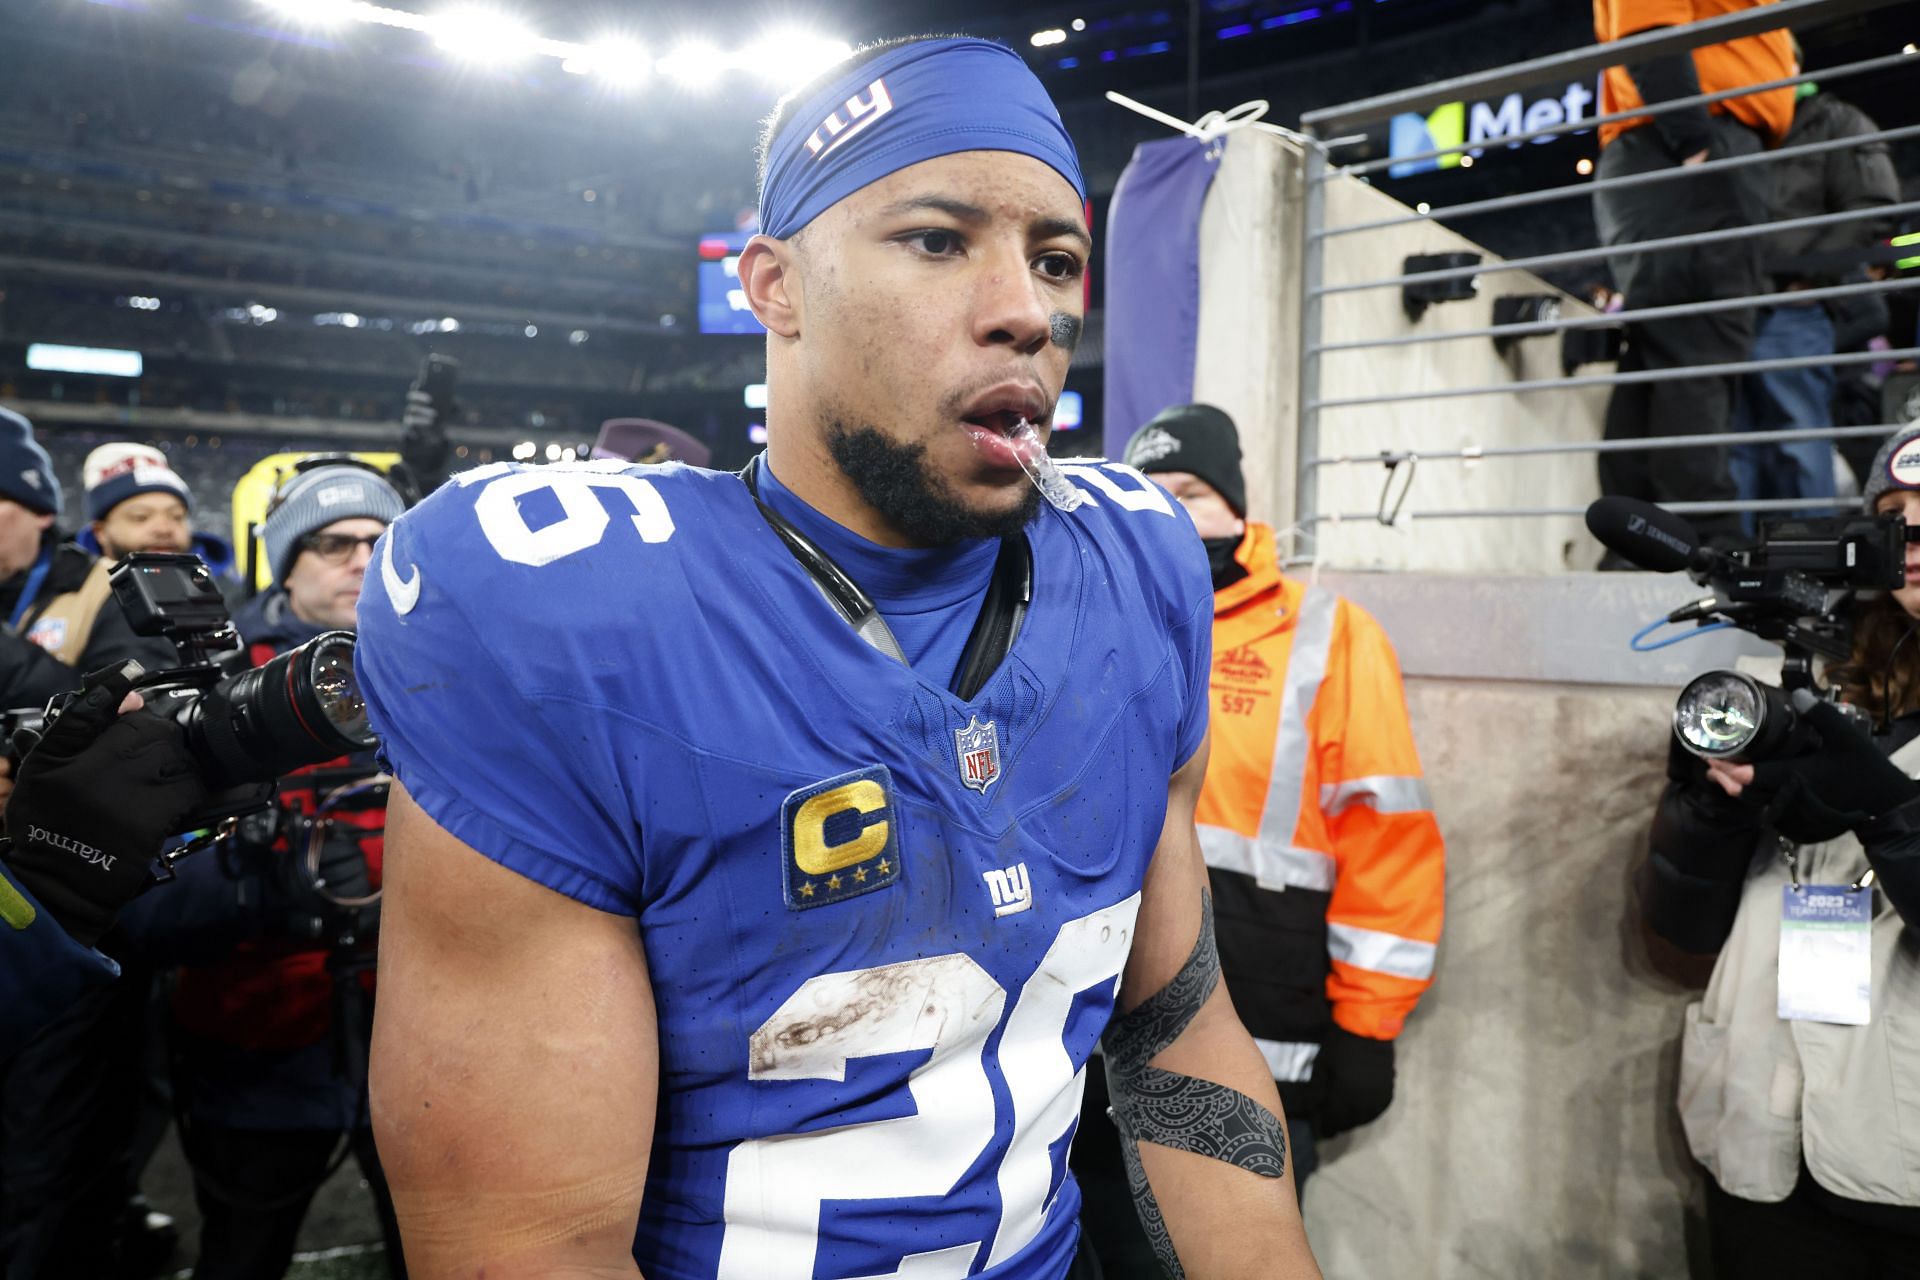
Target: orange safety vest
x: 1314, y: 795
x: 1753, y: 59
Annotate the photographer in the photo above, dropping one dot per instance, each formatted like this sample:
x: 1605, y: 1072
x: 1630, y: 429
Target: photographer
x: 70, y: 1110
x: 1797, y: 1068
x: 272, y: 1034
x: 60, y: 620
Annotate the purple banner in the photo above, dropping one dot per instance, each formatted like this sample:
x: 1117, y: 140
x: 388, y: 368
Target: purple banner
x: 1153, y: 283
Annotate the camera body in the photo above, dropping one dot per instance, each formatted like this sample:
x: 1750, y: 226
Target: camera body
x: 249, y: 728
x: 1793, y: 587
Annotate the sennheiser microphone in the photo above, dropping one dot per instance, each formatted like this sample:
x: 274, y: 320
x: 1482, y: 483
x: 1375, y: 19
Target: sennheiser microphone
x: 1647, y: 535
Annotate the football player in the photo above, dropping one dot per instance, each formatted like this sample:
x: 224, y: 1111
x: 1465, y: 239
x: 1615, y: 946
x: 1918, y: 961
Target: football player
x: 770, y: 851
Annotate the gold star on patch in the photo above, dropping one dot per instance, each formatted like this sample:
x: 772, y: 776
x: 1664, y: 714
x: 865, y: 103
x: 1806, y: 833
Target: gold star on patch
x: 806, y: 889
x: 885, y: 867
x: 860, y: 875
x: 833, y: 882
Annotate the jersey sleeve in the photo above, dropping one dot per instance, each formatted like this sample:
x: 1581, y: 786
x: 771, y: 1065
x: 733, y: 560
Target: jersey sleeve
x: 1176, y: 584
x: 1193, y: 651
x: 462, y: 665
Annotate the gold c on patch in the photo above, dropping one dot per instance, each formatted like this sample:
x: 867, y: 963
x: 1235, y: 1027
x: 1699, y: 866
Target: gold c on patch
x: 839, y: 838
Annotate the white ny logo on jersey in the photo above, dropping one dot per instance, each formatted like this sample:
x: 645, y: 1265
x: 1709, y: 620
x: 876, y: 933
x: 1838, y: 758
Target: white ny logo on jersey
x: 1011, y: 889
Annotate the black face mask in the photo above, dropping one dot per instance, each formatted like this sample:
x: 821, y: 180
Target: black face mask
x: 1226, y: 570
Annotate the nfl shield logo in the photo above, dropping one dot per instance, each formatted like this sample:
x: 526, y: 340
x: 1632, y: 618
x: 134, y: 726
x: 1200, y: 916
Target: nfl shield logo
x: 979, y: 749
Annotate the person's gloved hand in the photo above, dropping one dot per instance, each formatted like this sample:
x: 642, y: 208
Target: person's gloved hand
x: 1843, y: 782
x: 97, y: 795
x: 1355, y: 1075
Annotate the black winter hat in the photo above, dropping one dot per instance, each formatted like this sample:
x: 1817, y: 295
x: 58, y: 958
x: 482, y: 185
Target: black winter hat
x: 1196, y: 438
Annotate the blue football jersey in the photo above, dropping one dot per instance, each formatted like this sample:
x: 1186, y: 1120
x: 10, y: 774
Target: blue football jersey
x: 885, y: 926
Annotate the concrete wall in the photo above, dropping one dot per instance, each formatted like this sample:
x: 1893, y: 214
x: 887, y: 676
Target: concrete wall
x: 1533, y: 1133
x: 1247, y: 354
x: 1531, y: 545
x: 1248, y: 363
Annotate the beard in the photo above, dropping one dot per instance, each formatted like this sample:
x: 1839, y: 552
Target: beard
x: 897, y: 481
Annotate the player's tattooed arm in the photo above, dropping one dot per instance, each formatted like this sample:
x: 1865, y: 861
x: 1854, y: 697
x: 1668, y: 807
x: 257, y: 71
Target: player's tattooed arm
x: 514, y: 1056
x: 1198, y: 1115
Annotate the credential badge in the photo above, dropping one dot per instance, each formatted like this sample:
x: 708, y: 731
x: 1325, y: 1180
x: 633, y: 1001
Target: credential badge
x: 978, y: 746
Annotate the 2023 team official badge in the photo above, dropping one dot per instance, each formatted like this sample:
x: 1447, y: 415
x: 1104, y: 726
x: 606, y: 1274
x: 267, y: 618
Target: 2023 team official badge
x: 840, y: 838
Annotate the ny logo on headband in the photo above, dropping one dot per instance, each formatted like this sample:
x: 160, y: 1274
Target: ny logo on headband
x: 859, y: 113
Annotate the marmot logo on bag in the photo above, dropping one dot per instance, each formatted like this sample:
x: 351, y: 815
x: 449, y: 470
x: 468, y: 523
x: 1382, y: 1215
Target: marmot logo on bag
x: 86, y: 852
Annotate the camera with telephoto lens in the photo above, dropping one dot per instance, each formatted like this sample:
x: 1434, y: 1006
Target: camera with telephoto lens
x: 1793, y: 587
x: 245, y: 729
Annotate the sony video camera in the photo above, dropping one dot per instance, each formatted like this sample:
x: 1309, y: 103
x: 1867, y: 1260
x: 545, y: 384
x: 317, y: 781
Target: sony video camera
x: 245, y: 729
x: 1792, y: 587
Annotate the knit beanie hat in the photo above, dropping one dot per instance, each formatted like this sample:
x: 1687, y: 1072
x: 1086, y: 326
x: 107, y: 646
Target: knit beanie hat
x: 315, y: 499
x: 1896, y: 466
x: 26, y: 473
x: 1195, y: 438
x: 115, y: 472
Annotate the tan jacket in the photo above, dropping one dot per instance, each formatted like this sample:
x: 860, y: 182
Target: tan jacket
x: 1757, y: 1093
x: 64, y: 625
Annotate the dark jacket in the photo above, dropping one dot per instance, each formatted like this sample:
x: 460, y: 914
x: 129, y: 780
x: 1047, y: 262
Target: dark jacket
x: 1835, y: 181
x: 274, y: 1034
x: 29, y: 675
x: 1703, y: 841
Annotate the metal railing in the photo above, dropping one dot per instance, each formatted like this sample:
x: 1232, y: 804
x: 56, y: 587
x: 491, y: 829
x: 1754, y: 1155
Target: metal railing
x: 1321, y: 170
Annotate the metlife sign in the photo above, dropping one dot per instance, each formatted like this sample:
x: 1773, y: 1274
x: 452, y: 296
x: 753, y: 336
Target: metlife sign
x: 1456, y: 123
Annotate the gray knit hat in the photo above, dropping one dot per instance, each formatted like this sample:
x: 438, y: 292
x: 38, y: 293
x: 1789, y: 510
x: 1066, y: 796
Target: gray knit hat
x: 315, y: 499
x: 1896, y: 466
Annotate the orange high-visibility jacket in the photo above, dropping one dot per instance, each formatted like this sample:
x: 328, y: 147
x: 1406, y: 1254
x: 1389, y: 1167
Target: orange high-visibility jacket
x: 1751, y: 59
x: 1314, y: 819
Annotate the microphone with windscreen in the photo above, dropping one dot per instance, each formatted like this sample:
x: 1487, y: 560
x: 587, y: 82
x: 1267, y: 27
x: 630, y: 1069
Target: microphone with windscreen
x: 1652, y: 538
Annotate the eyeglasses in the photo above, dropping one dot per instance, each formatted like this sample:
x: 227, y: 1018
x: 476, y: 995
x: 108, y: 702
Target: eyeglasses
x: 338, y: 548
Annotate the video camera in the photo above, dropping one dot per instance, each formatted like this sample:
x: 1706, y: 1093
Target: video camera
x: 1791, y: 587
x: 245, y: 729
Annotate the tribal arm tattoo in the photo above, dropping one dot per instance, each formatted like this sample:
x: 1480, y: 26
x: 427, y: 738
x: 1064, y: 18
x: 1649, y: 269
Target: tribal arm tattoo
x: 1180, y: 1111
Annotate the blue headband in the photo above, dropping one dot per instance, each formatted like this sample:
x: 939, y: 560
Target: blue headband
x: 921, y: 100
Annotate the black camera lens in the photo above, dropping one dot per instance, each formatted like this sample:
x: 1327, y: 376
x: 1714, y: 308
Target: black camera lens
x: 302, y: 708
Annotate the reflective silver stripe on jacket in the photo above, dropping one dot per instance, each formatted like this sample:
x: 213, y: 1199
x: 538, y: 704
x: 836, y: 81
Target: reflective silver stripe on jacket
x: 1289, y: 1060
x: 1383, y: 793
x: 1380, y: 952
x: 1272, y: 860
x: 1283, y: 867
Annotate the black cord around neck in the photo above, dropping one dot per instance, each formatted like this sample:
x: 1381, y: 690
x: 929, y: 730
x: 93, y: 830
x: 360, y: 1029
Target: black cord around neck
x: 1002, y: 613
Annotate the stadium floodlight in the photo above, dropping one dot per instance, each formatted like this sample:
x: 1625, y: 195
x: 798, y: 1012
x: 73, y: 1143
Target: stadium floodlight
x: 107, y: 362
x: 790, y: 58
x: 1052, y: 35
x: 314, y: 13
x: 619, y: 62
x: 449, y: 325
x: 484, y: 36
x: 381, y: 16
x: 523, y: 450
x: 694, y: 65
